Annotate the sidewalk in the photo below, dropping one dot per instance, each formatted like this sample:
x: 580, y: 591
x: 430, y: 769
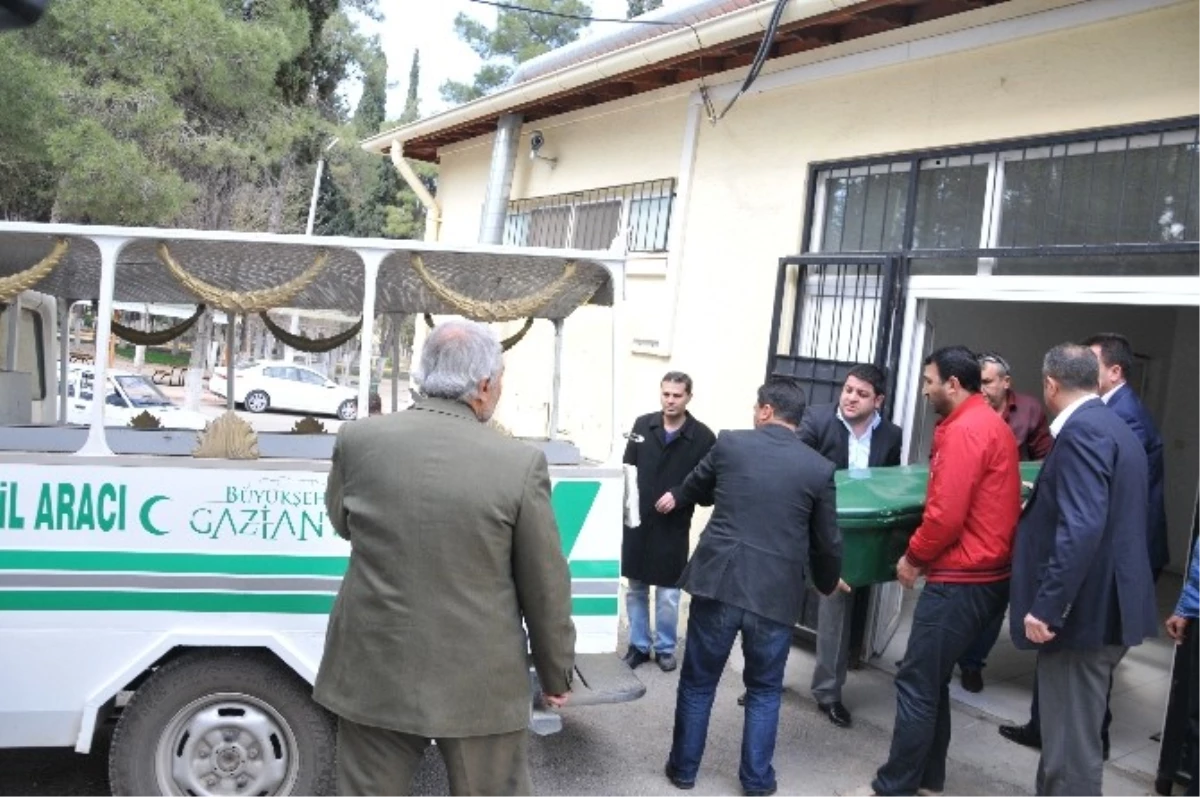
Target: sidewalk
x: 981, y: 762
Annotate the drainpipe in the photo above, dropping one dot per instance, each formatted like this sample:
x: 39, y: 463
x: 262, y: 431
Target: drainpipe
x: 433, y: 214
x: 500, y: 177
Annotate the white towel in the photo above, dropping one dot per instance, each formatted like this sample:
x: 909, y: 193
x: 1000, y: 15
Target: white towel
x: 633, y: 517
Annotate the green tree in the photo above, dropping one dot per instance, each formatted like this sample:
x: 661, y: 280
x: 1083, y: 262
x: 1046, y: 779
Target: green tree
x: 372, y: 105
x: 517, y: 37
x: 635, y: 8
x: 412, y: 102
x: 333, y: 216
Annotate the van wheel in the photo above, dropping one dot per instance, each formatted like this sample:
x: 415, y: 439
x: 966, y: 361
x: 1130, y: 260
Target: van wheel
x: 223, y: 722
x: 348, y: 410
x: 257, y: 401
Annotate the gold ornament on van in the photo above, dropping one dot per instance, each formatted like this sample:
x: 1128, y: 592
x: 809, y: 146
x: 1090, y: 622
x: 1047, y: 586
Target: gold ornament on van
x: 228, y: 437
x: 500, y: 310
x: 248, y: 301
x: 16, y: 284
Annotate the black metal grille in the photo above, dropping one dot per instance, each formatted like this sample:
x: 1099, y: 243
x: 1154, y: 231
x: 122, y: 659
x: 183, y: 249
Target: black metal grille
x: 593, y: 219
x: 844, y: 313
x: 1132, y: 190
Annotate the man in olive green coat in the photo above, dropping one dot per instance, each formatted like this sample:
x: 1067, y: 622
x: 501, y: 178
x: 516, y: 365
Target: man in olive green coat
x: 453, y: 544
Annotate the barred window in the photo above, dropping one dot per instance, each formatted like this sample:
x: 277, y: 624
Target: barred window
x: 594, y: 219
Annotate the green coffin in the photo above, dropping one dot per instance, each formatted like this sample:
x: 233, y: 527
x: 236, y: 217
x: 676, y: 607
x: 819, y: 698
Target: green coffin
x: 878, y: 510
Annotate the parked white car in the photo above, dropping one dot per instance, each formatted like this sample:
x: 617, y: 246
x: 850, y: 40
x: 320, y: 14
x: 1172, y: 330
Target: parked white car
x: 275, y: 384
x: 126, y: 396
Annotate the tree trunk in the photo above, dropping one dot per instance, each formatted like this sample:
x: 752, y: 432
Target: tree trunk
x: 139, y: 352
x: 198, y: 361
x: 279, y: 194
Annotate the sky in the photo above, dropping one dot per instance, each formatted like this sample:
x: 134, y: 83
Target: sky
x: 429, y: 24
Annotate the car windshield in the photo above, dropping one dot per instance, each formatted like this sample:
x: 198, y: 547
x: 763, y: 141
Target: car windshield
x: 142, y: 392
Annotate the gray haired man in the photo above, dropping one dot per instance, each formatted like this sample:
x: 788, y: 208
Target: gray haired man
x: 453, y: 544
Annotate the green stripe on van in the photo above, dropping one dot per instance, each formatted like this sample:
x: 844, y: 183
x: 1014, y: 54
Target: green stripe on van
x: 232, y: 564
x: 275, y: 603
x: 144, y: 562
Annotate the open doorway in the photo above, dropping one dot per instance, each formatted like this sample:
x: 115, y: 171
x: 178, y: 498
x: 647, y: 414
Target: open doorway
x: 1167, y: 340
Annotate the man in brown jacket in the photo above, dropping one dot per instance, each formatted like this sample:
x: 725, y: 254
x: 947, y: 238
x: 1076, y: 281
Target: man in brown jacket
x: 453, y: 544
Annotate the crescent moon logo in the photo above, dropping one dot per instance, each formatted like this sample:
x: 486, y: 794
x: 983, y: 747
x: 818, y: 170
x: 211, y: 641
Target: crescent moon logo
x: 147, y: 524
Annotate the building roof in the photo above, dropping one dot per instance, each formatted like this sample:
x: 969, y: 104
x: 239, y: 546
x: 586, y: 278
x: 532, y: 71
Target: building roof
x: 721, y: 35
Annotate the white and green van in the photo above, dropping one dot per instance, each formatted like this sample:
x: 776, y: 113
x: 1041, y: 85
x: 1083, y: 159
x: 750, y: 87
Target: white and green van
x: 186, y: 598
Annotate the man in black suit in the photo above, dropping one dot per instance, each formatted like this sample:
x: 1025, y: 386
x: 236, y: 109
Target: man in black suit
x: 1080, y: 594
x: 1116, y: 359
x: 852, y: 435
x: 775, y: 515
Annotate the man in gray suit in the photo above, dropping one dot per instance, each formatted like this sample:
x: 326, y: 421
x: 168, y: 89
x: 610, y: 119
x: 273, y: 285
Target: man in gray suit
x: 453, y: 544
x: 775, y: 513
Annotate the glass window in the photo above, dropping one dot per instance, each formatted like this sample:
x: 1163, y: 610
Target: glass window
x: 309, y: 378
x: 141, y: 392
x: 951, y: 194
x: 548, y: 226
x: 31, y: 348
x: 648, y: 224
x: 864, y: 208
x: 1129, y: 190
x: 596, y: 225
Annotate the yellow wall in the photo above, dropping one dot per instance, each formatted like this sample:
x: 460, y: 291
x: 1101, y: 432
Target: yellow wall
x: 748, y: 192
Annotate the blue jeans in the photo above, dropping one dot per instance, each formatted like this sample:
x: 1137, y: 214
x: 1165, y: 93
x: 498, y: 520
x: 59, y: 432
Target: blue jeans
x: 666, y: 617
x: 947, y: 619
x: 975, y: 657
x: 712, y: 628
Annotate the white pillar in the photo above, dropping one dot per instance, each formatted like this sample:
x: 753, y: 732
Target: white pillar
x: 110, y: 248
x: 556, y: 382
x: 14, y: 332
x: 230, y: 359
x: 371, y: 258
x: 64, y: 357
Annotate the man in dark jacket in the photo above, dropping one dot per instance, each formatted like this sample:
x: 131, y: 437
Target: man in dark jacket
x: 774, y: 515
x: 664, y: 446
x: 1080, y: 592
x: 1116, y: 359
x: 852, y: 435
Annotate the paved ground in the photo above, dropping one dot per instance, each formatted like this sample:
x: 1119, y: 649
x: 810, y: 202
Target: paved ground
x: 621, y: 749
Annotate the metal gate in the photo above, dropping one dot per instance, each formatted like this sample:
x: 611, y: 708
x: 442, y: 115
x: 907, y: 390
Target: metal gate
x: 835, y: 312
x: 831, y: 314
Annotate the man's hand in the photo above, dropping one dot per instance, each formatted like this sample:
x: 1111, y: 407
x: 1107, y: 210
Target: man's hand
x: 1177, y: 627
x: 1036, y: 631
x: 666, y: 504
x: 906, y: 572
x: 843, y: 587
x: 556, y: 701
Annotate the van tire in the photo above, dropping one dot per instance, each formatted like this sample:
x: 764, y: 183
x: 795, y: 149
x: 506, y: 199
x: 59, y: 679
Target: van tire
x: 276, y: 737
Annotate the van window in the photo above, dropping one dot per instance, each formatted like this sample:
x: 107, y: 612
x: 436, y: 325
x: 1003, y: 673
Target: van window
x: 31, y: 349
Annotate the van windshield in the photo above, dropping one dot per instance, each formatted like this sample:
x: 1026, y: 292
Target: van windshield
x: 142, y: 392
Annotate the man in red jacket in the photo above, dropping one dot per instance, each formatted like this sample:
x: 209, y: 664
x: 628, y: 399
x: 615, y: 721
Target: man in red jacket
x: 963, y: 547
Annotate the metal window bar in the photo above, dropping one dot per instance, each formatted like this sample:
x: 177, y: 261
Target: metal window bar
x: 591, y: 219
x: 1085, y: 192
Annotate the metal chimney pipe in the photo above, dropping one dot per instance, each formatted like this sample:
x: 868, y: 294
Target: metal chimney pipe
x: 500, y: 177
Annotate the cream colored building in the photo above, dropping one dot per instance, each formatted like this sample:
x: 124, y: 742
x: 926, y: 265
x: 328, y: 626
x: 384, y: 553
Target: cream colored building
x: 1013, y: 115
x: 1004, y: 174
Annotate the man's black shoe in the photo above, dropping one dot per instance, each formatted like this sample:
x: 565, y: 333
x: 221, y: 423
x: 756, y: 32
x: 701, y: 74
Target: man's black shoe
x: 666, y: 661
x: 1106, y: 746
x: 1022, y: 735
x: 677, y: 781
x: 972, y: 679
x: 761, y: 792
x: 635, y: 658
x: 742, y: 699
x: 837, y: 713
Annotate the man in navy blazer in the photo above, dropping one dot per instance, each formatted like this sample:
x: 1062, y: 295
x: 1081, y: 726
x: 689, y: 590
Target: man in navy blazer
x: 1116, y: 360
x: 1080, y: 593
